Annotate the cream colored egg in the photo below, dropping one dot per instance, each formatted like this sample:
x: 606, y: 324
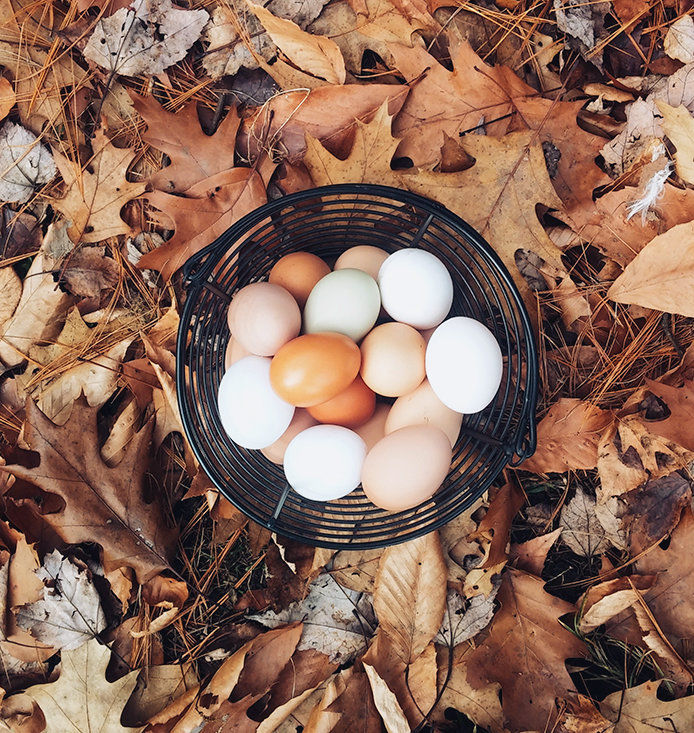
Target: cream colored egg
x: 423, y: 407
x: 374, y: 428
x: 301, y: 421
x: 234, y: 352
x: 363, y: 257
x: 393, y: 359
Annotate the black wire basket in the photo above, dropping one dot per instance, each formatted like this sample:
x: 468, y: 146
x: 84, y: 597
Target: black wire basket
x: 327, y: 221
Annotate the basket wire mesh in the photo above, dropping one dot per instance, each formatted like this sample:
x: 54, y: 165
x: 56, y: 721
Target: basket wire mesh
x: 327, y: 221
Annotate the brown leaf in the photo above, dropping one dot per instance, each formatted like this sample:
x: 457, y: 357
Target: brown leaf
x: 156, y: 688
x: 87, y: 272
x: 604, y: 601
x: 676, y: 425
x: 207, y: 210
x: 568, y: 437
x: 355, y: 705
x: 7, y: 97
x: 97, y: 193
x: 679, y: 127
x: 525, y: 651
x: 531, y: 555
x: 194, y: 155
x: 356, y: 569
x: 387, y: 704
x: 103, y: 505
x: 581, y: 716
x: 583, y: 533
x: 638, y: 710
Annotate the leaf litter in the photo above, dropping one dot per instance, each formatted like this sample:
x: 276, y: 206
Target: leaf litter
x: 133, y: 139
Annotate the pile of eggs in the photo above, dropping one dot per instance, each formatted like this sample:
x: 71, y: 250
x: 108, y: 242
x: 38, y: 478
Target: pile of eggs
x: 313, y: 402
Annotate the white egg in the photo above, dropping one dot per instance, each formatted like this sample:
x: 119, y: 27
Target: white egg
x: 324, y: 462
x: 464, y: 364
x: 251, y: 412
x: 416, y: 288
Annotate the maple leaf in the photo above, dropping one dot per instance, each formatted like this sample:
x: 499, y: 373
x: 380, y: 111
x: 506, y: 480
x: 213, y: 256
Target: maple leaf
x: 96, y: 194
x: 103, y: 505
x: 81, y: 699
x: 525, y: 650
x: 193, y: 154
x: 639, y: 710
x: 207, y: 210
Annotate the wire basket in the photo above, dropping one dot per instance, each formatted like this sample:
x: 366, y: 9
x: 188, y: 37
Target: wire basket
x: 327, y: 221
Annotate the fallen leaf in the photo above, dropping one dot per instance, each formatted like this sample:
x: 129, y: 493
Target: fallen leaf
x: 394, y: 21
x: 318, y: 55
x: 356, y: 569
x: 679, y: 40
x: 336, y: 620
x: 464, y: 619
x: 678, y: 125
x: 96, y: 195
x: 638, y: 710
x: 7, y: 97
x: 194, y: 155
x: 19, y: 233
x: 386, y: 702
x: 81, y: 699
x: 604, y: 601
x: 582, y: 531
x: 103, y: 505
x: 144, y: 38
x: 206, y: 211
x: 584, y: 26
x: 10, y: 293
x: 88, y: 273
x: 568, y: 437
x: 581, y: 716
x: 531, y: 555
x: 355, y: 705
x: 525, y: 651
x: 157, y: 687
x: 25, y: 163
x: 70, y: 613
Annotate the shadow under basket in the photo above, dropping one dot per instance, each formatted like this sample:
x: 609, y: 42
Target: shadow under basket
x: 327, y: 221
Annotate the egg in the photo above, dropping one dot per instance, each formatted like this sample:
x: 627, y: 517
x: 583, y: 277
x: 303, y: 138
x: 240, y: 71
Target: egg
x: 464, y: 364
x: 251, y: 413
x: 234, y: 352
x: 345, y: 301
x: 351, y: 408
x: 314, y: 368
x: 363, y: 257
x: 416, y: 288
x: 324, y: 462
x: 423, y: 407
x: 262, y: 317
x: 406, y: 467
x: 298, y: 273
x: 374, y: 428
x: 301, y: 420
x: 393, y: 359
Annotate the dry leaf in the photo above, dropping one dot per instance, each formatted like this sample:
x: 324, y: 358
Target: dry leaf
x: 464, y: 619
x: 10, y: 293
x: 317, y: 55
x: 81, y: 699
x: 356, y: 569
x: 145, y: 38
x: 394, y: 21
x: 157, y: 687
x: 679, y: 40
x: 386, y: 702
x: 678, y: 125
x: 25, y: 163
x: 88, y: 273
x: 638, y: 710
x: 584, y: 26
x: 531, y: 555
x: 96, y: 195
x: 583, y: 533
x: 7, y: 97
x: 606, y: 600
x: 69, y: 614
x: 525, y: 651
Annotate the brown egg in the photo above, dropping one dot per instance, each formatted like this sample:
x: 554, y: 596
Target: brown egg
x: 374, y: 428
x: 234, y: 352
x: 406, y: 467
x: 262, y: 317
x: 299, y: 423
x: 351, y: 408
x: 363, y: 257
x: 423, y: 407
x: 393, y: 359
x: 314, y: 368
x: 298, y: 272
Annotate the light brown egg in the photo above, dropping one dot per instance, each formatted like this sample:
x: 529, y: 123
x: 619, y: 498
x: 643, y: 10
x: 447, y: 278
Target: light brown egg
x: 234, y: 352
x: 263, y: 317
x: 351, y: 408
x: 374, y: 428
x: 406, y: 467
x: 299, y: 423
x: 393, y: 359
x: 363, y: 257
x: 298, y: 272
x: 423, y: 407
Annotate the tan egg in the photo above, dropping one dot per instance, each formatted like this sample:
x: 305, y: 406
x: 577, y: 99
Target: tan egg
x: 364, y: 257
x: 298, y: 272
x: 300, y: 422
x: 374, y: 428
x: 406, y: 467
x: 233, y: 353
x: 263, y: 317
x: 426, y: 334
x: 423, y: 407
x: 393, y: 359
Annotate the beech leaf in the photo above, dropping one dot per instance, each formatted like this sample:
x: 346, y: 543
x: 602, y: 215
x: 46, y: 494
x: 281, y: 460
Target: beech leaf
x: 386, y: 702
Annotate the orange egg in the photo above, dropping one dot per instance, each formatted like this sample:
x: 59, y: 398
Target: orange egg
x: 298, y: 272
x: 351, y: 408
x: 314, y: 368
x: 393, y: 359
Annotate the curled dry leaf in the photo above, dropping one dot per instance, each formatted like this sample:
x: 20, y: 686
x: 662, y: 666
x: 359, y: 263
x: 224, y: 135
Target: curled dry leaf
x: 157, y: 687
x: 606, y: 600
x: 679, y: 40
x: 531, y: 555
x: 386, y: 702
x: 144, y: 38
x: 678, y: 125
x: 89, y: 273
x: 568, y: 437
x: 639, y: 710
x: 675, y: 426
x: 25, y: 163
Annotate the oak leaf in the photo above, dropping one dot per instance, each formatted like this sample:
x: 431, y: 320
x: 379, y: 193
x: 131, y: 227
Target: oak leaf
x: 82, y: 699
x: 194, y: 155
x: 639, y: 710
x: 525, y: 651
x: 678, y: 400
x: 207, y: 210
x: 394, y: 21
x: 103, y: 505
x: 317, y: 55
x: 96, y: 194
x: 157, y: 687
x: 568, y: 437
